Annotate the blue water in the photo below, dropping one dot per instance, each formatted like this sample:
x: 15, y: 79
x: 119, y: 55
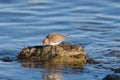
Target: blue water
x: 95, y: 24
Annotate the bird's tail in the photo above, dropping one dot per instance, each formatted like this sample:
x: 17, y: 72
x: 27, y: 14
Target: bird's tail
x: 67, y: 35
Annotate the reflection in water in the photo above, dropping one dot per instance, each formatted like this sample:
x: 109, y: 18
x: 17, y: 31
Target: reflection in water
x: 53, y: 76
x: 53, y: 73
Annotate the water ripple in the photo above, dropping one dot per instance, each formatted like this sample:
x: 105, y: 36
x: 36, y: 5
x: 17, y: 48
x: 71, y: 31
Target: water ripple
x: 93, y: 24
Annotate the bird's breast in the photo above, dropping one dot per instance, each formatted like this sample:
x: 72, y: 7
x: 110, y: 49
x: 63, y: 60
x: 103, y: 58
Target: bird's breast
x: 55, y: 43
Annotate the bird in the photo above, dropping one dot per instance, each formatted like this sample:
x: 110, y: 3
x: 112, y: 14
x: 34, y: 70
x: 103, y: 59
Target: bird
x: 54, y: 39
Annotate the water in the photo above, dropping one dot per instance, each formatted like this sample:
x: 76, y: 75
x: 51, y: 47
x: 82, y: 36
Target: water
x: 94, y: 24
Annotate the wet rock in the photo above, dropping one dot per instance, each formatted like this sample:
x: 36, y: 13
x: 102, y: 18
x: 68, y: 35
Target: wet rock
x: 6, y: 59
x: 112, y: 53
x: 117, y: 70
x: 112, y: 77
x: 62, y: 54
x: 64, y: 49
x: 92, y: 61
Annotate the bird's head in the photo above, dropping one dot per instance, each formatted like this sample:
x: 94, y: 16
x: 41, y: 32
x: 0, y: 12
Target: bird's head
x: 45, y: 41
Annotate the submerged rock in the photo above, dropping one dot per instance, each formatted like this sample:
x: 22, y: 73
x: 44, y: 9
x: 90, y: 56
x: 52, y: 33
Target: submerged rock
x: 7, y: 59
x: 117, y: 70
x: 112, y: 77
x: 62, y: 54
x: 111, y: 53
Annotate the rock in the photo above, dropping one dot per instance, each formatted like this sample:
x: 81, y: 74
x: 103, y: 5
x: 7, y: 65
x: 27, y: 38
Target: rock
x: 112, y: 53
x: 112, y: 77
x: 117, y: 70
x: 62, y: 54
x: 6, y: 59
x: 92, y: 61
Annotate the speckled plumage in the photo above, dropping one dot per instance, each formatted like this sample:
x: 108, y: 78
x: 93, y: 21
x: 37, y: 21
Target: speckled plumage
x: 54, y: 39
